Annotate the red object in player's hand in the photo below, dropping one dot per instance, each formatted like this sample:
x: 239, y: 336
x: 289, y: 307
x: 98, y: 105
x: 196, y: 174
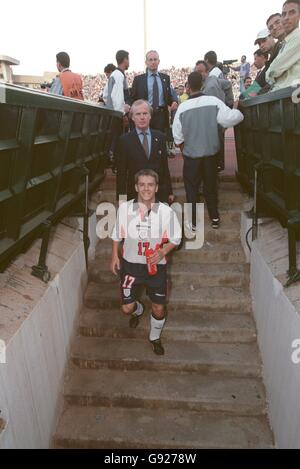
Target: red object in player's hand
x: 152, y: 269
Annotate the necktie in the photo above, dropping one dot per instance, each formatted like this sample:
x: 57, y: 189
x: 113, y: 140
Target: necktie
x: 155, y: 100
x: 146, y: 145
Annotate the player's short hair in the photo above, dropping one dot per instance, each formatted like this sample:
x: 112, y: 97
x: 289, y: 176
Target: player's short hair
x: 137, y: 103
x: 146, y: 172
x: 64, y: 59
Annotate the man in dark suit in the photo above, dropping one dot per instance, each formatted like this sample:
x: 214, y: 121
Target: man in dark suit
x: 143, y: 148
x: 155, y: 88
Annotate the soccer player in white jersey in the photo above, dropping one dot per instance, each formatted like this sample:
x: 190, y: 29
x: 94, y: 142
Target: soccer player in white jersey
x: 143, y: 224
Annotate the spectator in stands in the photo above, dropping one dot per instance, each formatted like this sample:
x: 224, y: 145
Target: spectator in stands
x: 275, y: 26
x: 276, y: 29
x: 195, y: 129
x: 261, y: 63
x: 285, y: 69
x: 108, y: 70
x: 265, y: 41
x: 212, y: 61
x: 67, y: 83
x: 155, y: 87
x: 267, y: 45
x: 182, y: 95
x: 247, y: 82
x: 244, y: 71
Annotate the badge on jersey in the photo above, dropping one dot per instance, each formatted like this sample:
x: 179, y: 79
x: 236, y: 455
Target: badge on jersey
x: 127, y: 292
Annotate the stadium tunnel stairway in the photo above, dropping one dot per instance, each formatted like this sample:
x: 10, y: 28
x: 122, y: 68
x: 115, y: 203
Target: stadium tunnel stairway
x: 207, y: 391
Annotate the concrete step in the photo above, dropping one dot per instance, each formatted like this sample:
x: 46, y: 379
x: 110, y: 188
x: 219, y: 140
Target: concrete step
x: 114, y: 428
x: 189, y: 391
x: 203, y: 299
x: 205, y: 275
x: 205, y: 327
x: 210, y: 253
x: 240, y: 360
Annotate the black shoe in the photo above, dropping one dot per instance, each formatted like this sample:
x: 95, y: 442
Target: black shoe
x: 157, y: 347
x: 134, y: 322
x: 215, y: 223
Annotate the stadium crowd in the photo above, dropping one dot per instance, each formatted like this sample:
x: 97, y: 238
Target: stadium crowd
x: 275, y: 64
x: 93, y: 85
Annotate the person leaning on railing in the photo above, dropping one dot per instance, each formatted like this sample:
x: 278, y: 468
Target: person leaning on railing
x: 285, y: 69
x: 67, y: 83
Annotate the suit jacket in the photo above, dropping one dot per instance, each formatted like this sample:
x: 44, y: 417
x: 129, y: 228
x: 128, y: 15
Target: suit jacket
x: 139, y: 90
x: 131, y: 158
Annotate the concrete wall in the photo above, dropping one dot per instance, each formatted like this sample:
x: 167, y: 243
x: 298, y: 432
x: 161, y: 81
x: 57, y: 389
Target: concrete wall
x: 37, y: 322
x: 276, y: 311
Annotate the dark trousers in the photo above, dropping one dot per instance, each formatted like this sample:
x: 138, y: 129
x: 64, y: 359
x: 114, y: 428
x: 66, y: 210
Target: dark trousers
x: 117, y: 131
x: 221, y: 154
x: 196, y: 170
x: 159, y: 120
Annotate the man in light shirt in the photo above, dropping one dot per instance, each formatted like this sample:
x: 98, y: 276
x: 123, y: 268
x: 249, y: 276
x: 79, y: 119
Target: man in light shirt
x: 117, y: 98
x: 196, y: 131
x: 117, y: 92
x: 275, y: 26
x: 285, y: 69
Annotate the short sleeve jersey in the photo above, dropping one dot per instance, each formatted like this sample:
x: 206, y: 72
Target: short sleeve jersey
x: 142, y: 229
